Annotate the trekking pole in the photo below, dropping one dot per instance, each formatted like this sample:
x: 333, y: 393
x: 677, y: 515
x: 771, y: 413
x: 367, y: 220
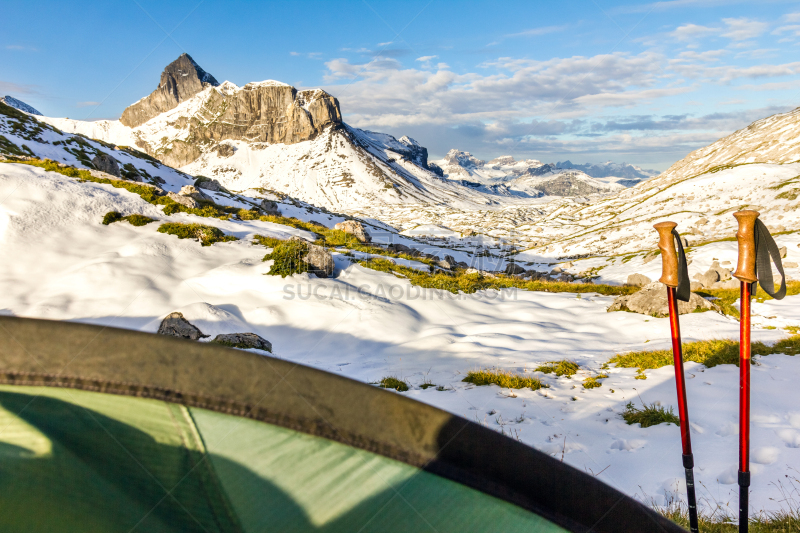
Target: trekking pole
x: 674, y: 274
x: 755, y: 248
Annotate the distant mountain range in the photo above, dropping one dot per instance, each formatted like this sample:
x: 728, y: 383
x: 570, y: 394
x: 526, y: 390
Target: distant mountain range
x: 463, y: 165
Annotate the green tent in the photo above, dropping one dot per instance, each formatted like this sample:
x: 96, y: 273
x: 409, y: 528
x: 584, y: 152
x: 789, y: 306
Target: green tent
x: 104, y: 429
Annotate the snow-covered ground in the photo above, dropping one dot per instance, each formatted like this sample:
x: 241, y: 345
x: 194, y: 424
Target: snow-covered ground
x: 60, y: 262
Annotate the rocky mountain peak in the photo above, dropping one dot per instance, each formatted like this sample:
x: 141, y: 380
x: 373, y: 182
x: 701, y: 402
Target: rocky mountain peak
x: 463, y: 159
x: 503, y: 160
x: 180, y: 80
x: 18, y: 104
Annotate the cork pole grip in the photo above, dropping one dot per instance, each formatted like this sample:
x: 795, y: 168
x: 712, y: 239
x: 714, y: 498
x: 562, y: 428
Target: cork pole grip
x: 746, y: 267
x: 669, y: 256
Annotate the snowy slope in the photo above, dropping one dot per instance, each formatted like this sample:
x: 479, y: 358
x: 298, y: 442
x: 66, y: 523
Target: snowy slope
x: 367, y: 325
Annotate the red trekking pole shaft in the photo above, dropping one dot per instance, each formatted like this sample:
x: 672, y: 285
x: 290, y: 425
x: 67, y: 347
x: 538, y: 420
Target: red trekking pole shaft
x: 669, y: 277
x: 747, y: 275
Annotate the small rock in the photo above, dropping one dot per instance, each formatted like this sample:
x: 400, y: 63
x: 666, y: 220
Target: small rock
x: 782, y: 251
x: 462, y: 264
x: 652, y: 301
x: 445, y: 265
x: 650, y: 257
x: 557, y: 270
x: 175, y: 325
x: 244, y: 340
x: 103, y: 175
x: 568, y: 264
x: 467, y: 233
x: 106, y: 163
x: 514, y: 269
x: 695, y: 286
x: 320, y: 261
x: 638, y: 280
x: 730, y: 284
x: 471, y: 271
x: 269, y: 208
x: 790, y: 264
x: 187, y: 201
x: 702, y: 222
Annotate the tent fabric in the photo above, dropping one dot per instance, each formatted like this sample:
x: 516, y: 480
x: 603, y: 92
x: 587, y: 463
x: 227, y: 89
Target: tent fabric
x: 202, y: 387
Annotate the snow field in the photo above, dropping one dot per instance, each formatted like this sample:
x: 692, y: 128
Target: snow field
x: 61, y: 263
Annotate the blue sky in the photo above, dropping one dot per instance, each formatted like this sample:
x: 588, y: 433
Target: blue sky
x: 587, y: 81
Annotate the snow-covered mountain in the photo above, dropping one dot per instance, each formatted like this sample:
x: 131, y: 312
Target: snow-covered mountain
x: 270, y: 135
x: 610, y: 172
x: 18, y: 104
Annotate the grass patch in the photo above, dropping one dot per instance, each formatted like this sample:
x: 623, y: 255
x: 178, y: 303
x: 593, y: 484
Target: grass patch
x: 721, y: 521
x: 470, y: 283
x: 559, y: 368
x: 649, y: 415
x: 725, y: 298
x: 134, y: 220
x: 505, y: 379
x: 288, y: 258
x: 207, y: 235
x: 708, y: 353
x: 392, y: 382
x: 592, y: 381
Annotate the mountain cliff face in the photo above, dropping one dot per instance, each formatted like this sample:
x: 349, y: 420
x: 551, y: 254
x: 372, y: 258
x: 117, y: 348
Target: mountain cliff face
x: 19, y: 104
x: 182, y: 79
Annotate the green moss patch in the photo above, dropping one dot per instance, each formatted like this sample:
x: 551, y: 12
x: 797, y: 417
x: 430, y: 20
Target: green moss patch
x: 505, y: 379
x: 287, y: 257
x: 709, y: 353
x: 207, y: 235
x: 592, y: 382
x: 134, y: 220
x: 559, y: 368
x: 649, y: 415
x: 392, y: 382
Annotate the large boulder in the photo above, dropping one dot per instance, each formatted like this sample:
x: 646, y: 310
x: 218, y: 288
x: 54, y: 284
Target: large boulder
x: 193, y: 192
x: 354, y: 228
x: 320, y: 261
x: 209, y: 185
x: 247, y: 341
x: 106, y: 163
x: 175, y: 325
x: 638, y: 280
x: 652, y: 301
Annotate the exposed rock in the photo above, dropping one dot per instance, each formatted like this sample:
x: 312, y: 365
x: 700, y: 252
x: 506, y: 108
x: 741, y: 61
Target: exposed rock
x: 224, y: 150
x: 103, y: 175
x: 19, y: 104
x: 462, y: 264
x: 244, y: 340
x: 638, y: 280
x: 180, y: 80
x: 695, y: 286
x: 193, y: 192
x: 270, y: 208
x: 447, y: 265
x: 782, y: 251
x: 208, y: 184
x: 514, y: 269
x: 652, y: 300
x: 557, y: 270
x: 790, y: 264
x: 106, y: 163
x: 724, y: 273
x: 468, y: 233
x: 569, y: 184
x: 187, y: 201
x: 175, y: 325
x: 450, y: 259
x: 650, y: 257
x: 320, y: 261
x: 355, y: 228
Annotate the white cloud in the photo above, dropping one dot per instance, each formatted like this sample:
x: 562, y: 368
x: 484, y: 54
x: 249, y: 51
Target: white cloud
x: 426, y: 59
x: 691, y: 32
x: 87, y: 104
x: 740, y: 29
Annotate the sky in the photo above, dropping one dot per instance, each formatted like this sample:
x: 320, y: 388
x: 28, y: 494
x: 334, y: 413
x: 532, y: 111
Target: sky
x: 588, y: 81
